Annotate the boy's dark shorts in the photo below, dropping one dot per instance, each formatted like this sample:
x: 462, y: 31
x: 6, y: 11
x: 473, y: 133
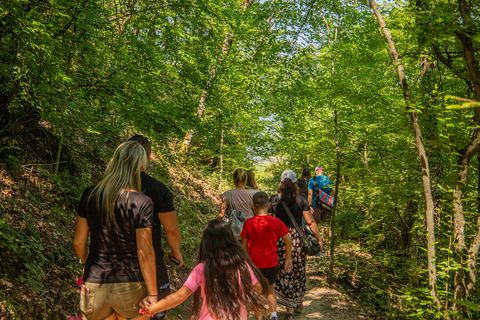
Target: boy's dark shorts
x: 270, y: 274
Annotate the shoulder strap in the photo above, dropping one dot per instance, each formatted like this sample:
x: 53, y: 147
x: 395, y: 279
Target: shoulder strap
x: 315, y: 181
x: 230, y: 199
x: 300, y: 232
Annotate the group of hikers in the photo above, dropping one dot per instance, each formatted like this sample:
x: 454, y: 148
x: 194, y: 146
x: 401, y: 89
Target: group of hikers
x: 125, y: 276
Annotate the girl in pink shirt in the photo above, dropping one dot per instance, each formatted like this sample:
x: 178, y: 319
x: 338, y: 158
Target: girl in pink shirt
x: 230, y: 283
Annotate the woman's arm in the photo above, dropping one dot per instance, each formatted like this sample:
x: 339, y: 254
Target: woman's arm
x: 146, y: 258
x: 80, y: 238
x: 312, y: 225
x: 288, y: 252
x: 170, y: 301
x: 223, y: 209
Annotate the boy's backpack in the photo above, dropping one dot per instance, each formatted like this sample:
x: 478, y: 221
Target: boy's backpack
x: 234, y: 218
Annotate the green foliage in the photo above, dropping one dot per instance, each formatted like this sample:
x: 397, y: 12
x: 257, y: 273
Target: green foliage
x: 7, y: 155
x: 351, y: 225
x: 273, y: 76
x: 23, y: 250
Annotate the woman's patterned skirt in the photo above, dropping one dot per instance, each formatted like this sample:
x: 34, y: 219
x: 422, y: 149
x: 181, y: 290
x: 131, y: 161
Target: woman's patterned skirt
x: 290, y: 287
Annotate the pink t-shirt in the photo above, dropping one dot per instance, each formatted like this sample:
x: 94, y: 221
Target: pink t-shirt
x: 197, y: 278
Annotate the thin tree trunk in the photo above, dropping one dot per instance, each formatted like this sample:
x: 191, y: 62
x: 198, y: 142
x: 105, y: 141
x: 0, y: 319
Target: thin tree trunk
x: 59, y: 153
x: 221, y: 162
x: 478, y: 183
x: 429, y: 205
x: 334, y: 208
x: 333, y: 40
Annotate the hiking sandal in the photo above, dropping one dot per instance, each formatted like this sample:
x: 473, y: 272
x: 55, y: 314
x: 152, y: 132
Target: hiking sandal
x: 289, y: 316
x: 299, y: 308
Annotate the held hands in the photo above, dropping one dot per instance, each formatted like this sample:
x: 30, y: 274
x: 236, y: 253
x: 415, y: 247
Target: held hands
x: 146, y: 305
x: 311, y: 210
x: 288, y: 265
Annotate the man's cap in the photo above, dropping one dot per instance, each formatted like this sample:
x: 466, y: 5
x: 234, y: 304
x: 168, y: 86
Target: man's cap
x: 290, y: 174
x: 319, y: 168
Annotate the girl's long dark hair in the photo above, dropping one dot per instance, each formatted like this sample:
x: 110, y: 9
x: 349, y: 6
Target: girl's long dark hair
x: 288, y: 190
x: 224, y: 260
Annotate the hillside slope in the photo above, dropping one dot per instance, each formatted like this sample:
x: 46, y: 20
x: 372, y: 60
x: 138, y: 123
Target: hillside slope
x: 38, y: 266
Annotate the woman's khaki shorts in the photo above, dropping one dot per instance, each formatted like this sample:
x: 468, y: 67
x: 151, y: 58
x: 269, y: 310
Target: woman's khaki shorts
x: 103, y: 299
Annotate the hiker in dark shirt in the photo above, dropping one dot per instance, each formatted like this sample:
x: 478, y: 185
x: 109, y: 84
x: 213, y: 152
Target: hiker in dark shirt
x: 164, y: 215
x: 120, y: 263
x: 302, y: 183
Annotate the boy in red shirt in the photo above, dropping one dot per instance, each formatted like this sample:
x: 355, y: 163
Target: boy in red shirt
x: 259, y: 239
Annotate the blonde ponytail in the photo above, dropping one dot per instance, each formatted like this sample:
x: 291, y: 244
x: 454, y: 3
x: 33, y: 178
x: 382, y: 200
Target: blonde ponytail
x: 239, y: 176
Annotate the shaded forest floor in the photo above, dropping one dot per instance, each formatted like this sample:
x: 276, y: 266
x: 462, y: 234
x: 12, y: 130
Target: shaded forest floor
x: 322, y: 302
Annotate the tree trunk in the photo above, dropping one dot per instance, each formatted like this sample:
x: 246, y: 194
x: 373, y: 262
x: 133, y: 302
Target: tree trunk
x: 333, y: 40
x: 59, y: 153
x: 478, y: 183
x: 464, y: 280
x: 334, y: 209
x: 221, y: 162
x: 429, y: 205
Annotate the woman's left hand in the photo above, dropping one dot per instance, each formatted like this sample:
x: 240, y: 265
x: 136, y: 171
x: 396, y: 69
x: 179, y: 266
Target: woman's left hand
x: 288, y: 265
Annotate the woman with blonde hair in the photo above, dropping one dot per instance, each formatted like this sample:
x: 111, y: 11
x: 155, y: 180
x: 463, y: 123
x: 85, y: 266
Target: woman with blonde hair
x: 120, y: 263
x: 239, y: 198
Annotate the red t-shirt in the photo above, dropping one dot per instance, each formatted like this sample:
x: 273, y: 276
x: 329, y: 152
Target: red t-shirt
x: 263, y: 233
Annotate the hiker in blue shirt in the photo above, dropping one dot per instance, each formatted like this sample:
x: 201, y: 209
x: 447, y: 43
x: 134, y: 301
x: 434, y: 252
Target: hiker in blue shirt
x: 325, y: 184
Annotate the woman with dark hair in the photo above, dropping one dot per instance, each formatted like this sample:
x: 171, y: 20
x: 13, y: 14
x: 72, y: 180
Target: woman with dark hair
x: 290, y: 287
x: 302, y: 183
x: 230, y: 283
x: 120, y: 265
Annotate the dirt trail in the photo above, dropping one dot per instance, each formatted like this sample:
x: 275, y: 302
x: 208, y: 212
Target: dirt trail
x: 322, y: 302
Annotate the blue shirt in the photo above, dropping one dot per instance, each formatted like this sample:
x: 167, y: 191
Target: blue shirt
x: 324, y: 183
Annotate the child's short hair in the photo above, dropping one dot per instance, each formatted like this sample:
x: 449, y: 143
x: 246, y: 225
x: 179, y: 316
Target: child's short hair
x: 260, y: 200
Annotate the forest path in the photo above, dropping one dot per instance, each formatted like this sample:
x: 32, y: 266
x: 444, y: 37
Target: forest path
x: 320, y: 301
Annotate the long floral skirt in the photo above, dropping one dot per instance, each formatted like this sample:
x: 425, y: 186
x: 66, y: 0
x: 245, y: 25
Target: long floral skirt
x: 290, y: 287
